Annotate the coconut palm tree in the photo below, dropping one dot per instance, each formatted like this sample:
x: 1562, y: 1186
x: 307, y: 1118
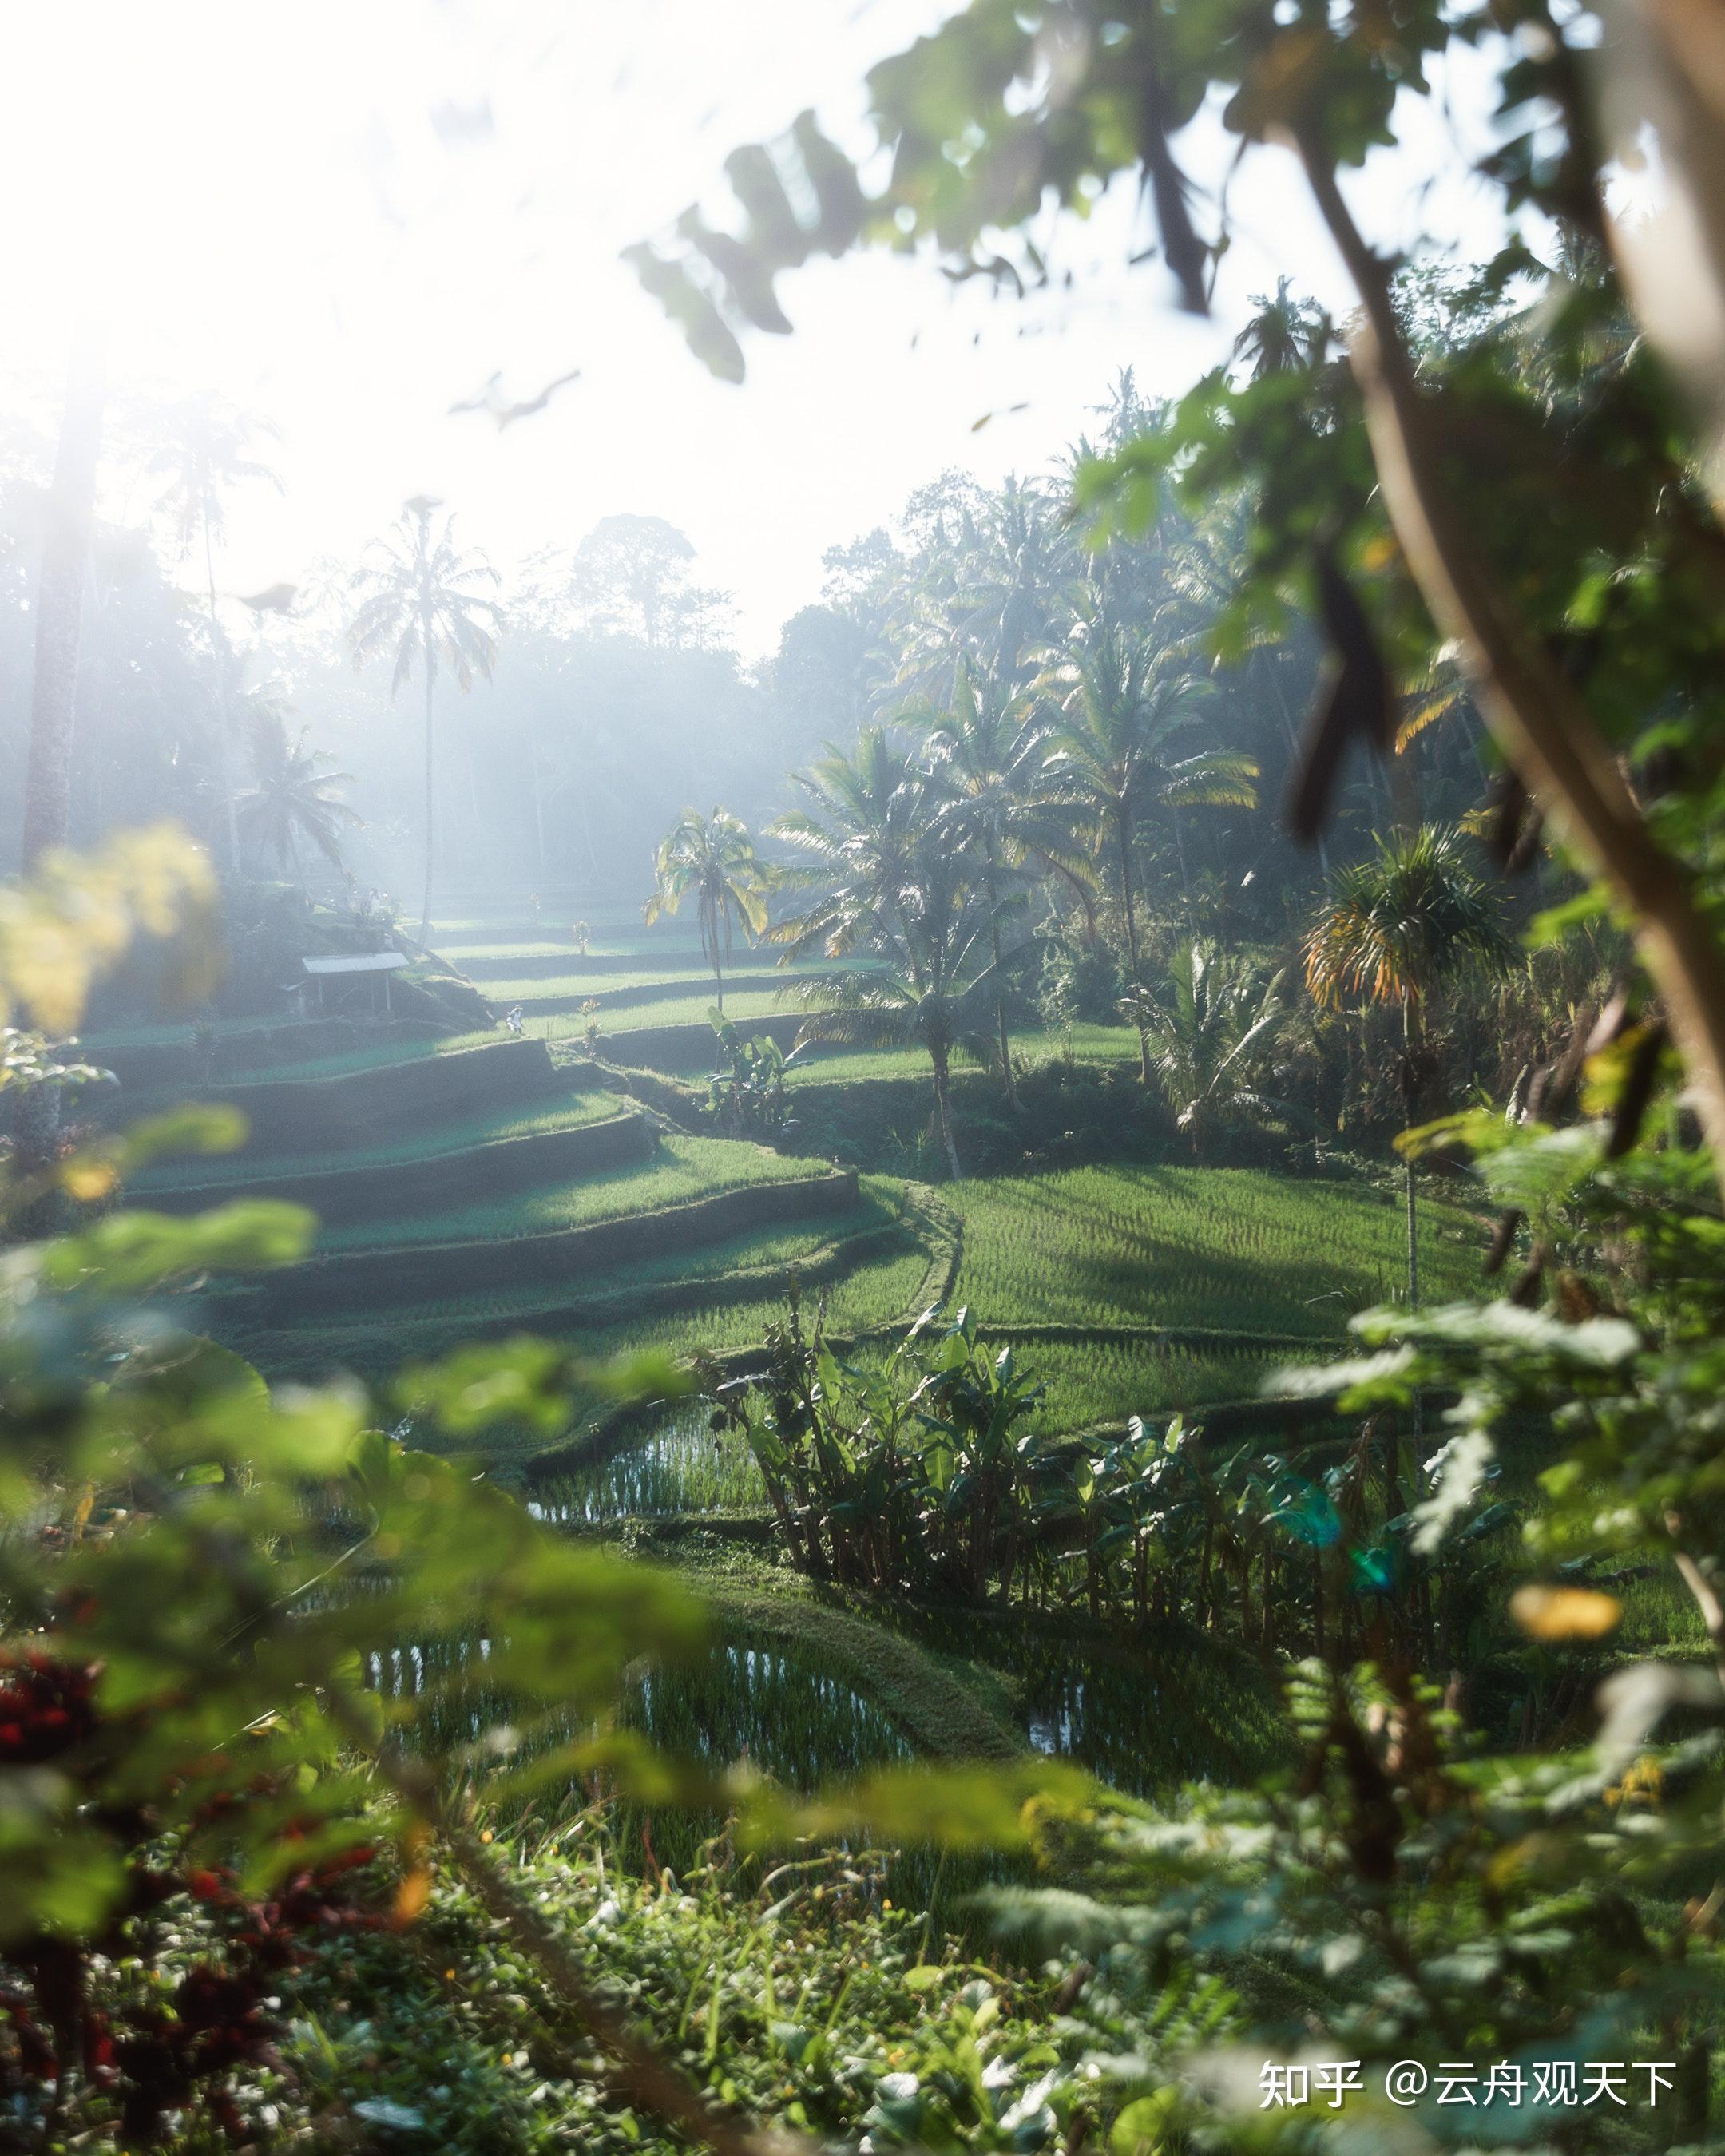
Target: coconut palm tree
x: 1284, y: 335
x: 991, y: 594
x: 421, y: 598
x: 1212, y: 1031
x: 1114, y: 754
x: 857, y: 841
x: 1409, y: 917
x: 713, y: 859
x: 294, y: 796
x: 985, y: 783
x: 206, y: 456
x: 925, y: 980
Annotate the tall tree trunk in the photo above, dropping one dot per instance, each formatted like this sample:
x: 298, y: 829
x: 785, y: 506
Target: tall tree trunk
x: 1012, y: 1086
x: 942, y: 1111
x: 1408, y: 1162
x: 1124, y: 834
x: 1185, y: 873
x: 224, y: 729
x: 59, y: 603
x: 1548, y: 733
x: 430, y: 775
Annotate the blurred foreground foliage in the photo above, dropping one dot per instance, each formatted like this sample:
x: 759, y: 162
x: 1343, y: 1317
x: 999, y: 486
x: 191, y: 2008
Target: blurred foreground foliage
x: 217, y: 1830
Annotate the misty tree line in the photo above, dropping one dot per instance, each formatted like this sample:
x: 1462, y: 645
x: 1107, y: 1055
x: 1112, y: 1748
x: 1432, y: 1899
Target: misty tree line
x: 608, y: 693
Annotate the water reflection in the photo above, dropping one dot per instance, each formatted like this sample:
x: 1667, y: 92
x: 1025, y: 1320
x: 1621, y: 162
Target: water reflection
x: 782, y: 1713
x: 679, y: 1465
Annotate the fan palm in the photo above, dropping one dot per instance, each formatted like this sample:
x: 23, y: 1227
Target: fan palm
x: 1400, y: 923
x: 204, y: 457
x: 1113, y: 754
x: 713, y: 859
x: 294, y: 796
x: 421, y: 599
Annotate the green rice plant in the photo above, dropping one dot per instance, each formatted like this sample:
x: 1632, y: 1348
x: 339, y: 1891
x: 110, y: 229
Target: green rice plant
x: 780, y: 1711
x: 746, y: 1002
x: 878, y: 1293
x: 1232, y: 1250
x: 570, y: 1111
x: 686, y: 1168
x: 1088, y: 1044
x: 680, y: 1466
x: 1099, y: 1383
x: 613, y: 982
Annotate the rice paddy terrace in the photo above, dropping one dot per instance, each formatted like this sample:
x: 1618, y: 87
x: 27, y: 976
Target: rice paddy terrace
x: 473, y: 1184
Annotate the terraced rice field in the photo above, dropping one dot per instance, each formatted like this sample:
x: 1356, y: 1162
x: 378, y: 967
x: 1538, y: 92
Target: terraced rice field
x: 686, y: 1168
x: 689, y: 1010
x: 881, y: 1215
x: 681, y: 1466
x: 879, y: 1292
x: 1112, y: 1258
x: 1088, y: 1044
x: 1233, y: 1249
x: 571, y: 1111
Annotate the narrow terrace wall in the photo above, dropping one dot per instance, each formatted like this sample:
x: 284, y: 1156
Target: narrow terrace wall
x: 180, y: 1066
x: 357, y: 1107
x: 685, y: 1048
x: 354, y: 1283
x: 343, y: 1197
x: 554, y: 966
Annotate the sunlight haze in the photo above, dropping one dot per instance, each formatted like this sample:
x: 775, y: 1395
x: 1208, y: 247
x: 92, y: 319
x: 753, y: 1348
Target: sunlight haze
x: 347, y: 219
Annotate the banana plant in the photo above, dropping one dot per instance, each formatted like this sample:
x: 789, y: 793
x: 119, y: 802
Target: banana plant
x: 747, y: 1095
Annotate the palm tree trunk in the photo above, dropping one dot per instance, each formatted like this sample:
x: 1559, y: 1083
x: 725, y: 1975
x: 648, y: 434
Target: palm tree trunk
x: 1012, y: 1086
x: 59, y: 605
x: 709, y: 936
x: 1180, y: 856
x: 1131, y: 937
x: 942, y: 1112
x: 1408, y: 1162
x: 1547, y: 732
x: 224, y: 740
x: 430, y: 777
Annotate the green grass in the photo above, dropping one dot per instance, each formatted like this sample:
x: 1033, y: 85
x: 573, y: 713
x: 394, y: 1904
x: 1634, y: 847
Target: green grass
x: 1104, y: 1382
x: 686, y: 1168
x: 1090, y: 1043
x: 1238, y: 1249
x: 691, y: 1010
x: 160, y: 1032
x: 527, y: 987
x: 874, y: 1295
x: 770, y: 1253
x: 572, y: 1112
x: 377, y: 1054
x: 879, y: 1293
x: 620, y: 944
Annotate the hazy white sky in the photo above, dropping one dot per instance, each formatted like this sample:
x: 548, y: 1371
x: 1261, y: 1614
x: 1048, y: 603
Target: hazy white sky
x: 303, y: 207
